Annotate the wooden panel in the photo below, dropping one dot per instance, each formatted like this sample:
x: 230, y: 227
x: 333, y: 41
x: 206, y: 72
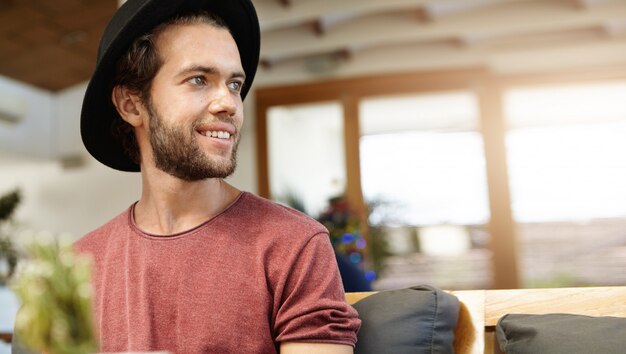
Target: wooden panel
x: 352, y: 298
x: 85, y: 16
x: 371, y: 86
x: 57, y: 47
x: 59, y: 7
x: 503, y: 240
x: 56, y: 74
x: 592, y: 301
x: 92, y: 39
x: 9, y: 48
x: 469, y: 335
x: 38, y: 34
x: 352, y: 134
x: 13, y: 18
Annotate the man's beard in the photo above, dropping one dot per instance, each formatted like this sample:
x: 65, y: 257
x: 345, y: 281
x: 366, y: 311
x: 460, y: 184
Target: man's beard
x: 180, y: 155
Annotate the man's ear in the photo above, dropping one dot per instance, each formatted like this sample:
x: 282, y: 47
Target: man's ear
x: 128, y: 105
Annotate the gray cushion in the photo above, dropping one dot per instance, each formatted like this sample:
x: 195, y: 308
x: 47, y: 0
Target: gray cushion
x: 420, y: 319
x: 561, y: 333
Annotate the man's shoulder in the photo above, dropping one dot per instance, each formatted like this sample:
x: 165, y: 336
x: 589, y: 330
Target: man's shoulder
x: 270, y: 213
x: 95, y: 239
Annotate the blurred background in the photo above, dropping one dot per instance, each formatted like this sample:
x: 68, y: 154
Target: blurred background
x: 466, y: 144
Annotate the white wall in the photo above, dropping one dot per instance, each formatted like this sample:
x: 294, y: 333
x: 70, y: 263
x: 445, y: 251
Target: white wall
x: 66, y: 133
x: 66, y: 200
x: 76, y: 200
x: 30, y: 135
x: 49, y: 122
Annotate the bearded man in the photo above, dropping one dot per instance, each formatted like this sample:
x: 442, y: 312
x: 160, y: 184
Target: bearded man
x: 196, y: 265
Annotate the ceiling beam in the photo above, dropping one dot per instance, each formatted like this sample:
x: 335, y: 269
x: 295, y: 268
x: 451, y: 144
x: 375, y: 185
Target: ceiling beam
x: 317, y: 27
x: 513, y: 19
x: 587, y: 4
x: 402, y: 58
x: 274, y: 16
x: 423, y: 14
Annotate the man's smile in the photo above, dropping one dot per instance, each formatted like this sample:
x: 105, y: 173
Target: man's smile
x: 224, y: 132
x: 215, y: 134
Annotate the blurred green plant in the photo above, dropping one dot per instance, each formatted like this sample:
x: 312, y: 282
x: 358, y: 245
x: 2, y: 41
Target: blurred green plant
x: 8, y: 253
x: 557, y: 280
x: 53, y: 285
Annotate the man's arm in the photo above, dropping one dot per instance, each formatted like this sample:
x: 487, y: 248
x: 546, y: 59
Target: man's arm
x: 314, y: 348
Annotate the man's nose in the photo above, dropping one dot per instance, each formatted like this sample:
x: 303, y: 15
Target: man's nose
x: 223, y: 102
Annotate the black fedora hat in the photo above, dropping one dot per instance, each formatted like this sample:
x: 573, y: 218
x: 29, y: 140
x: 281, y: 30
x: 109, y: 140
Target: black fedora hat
x: 132, y: 20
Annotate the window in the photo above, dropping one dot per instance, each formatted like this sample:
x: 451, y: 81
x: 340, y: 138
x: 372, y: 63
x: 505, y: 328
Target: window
x: 426, y: 157
x: 566, y: 149
x: 423, y: 167
x: 306, y: 154
x: 421, y: 164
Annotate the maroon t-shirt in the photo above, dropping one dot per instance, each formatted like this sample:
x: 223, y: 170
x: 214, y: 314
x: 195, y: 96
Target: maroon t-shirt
x: 254, y: 276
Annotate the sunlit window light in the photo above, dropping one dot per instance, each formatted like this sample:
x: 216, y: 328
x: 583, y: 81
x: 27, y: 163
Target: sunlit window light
x: 306, y: 154
x: 422, y: 157
x: 567, y: 152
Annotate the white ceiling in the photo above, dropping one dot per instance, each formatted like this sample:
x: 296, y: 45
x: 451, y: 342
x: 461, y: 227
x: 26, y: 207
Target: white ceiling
x: 306, y: 40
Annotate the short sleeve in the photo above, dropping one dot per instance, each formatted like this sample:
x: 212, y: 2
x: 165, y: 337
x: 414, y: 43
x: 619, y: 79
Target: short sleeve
x: 312, y: 304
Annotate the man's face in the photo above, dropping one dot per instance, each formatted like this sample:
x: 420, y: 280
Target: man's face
x: 177, y: 153
x: 195, y: 108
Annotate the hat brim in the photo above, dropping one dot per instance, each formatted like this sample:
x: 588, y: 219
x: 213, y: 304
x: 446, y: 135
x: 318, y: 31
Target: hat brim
x: 134, y: 19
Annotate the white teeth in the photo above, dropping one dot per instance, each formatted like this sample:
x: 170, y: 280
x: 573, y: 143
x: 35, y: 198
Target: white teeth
x: 217, y: 134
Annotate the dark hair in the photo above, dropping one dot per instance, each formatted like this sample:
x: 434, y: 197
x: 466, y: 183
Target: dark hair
x: 136, y: 69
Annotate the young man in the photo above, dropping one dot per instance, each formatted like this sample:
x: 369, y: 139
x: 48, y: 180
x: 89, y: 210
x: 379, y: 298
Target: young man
x: 197, y: 266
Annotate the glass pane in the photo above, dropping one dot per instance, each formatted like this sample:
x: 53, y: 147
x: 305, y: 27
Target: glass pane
x: 567, y: 168
x: 568, y: 173
x: 306, y: 154
x: 438, y: 177
x: 423, y: 170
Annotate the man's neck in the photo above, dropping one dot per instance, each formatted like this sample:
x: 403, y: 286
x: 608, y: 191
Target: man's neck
x: 169, y: 205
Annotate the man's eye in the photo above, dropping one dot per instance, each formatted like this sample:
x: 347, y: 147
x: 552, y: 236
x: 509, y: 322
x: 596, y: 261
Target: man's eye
x: 197, y: 80
x: 235, y: 86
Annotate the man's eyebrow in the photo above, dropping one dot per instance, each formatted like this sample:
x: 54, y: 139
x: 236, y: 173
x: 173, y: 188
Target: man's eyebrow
x: 239, y: 75
x: 208, y: 70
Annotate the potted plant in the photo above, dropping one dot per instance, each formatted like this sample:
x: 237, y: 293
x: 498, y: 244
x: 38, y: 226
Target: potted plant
x: 54, y: 288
